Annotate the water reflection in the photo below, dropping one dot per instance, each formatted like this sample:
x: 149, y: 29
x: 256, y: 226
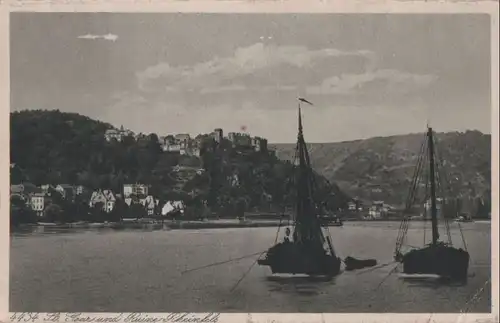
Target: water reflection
x: 44, y: 230
x: 86, y: 272
x: 302, y: 285
x: 433, y: 282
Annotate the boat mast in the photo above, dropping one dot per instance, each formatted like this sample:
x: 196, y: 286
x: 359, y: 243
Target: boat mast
x: 435, y: 233
x: 306, y: 227
x: 301, y: 228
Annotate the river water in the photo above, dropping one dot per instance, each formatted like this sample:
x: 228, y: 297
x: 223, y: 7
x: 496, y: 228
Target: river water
x: 136, y: 271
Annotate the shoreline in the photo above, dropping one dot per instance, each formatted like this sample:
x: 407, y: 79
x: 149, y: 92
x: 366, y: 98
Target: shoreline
x: 173, y: 225
x: 166, y: 225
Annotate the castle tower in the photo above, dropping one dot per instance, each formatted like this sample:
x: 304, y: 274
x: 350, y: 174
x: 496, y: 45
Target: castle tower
x: 218, y: 135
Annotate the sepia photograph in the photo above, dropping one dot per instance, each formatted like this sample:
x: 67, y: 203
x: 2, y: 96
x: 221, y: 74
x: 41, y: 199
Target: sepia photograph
x: 250, y: 162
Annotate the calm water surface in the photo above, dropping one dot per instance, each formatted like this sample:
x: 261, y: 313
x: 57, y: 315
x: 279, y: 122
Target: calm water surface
x: 132, y: 271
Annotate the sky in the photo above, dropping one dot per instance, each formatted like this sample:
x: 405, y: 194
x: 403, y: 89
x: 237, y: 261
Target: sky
x: 366, y: 74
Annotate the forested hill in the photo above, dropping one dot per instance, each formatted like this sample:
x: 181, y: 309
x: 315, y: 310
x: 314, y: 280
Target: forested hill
x: 52, y: 147
x: 381, y: 168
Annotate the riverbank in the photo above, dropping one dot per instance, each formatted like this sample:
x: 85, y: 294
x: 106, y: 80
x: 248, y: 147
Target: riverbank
x: 157, y: 225
x: 166, y: 225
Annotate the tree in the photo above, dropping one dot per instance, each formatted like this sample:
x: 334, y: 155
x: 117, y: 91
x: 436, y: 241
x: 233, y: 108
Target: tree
x: 20, y: 213
x: 119, y: 211
x: 17, y: 201
x: 53, y: 213
x: 97, y: 212
x: 82, y: 209
x: 137, y: 211
x: 55, y: 147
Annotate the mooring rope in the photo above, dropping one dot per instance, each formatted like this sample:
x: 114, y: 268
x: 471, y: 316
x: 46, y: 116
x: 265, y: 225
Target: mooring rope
x: 386, y: 276
x: 246, y: 273
x: 222, y: 262
x: 376, y: 267
x: 475, y: 297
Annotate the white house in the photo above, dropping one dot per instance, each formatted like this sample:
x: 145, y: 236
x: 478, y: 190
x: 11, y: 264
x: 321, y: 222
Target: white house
x: 135, y: 189
x: 234, y: 180
x: 46, y: 188
x: 110, y: 200
x: 37, y: 202
x: 374, y: 212
x: 171, y: 206
x: 149, y: 203
x: 351, y: 206
x: 182, y: 137
x: 105, y: 197
x: 117, y: 134
x: 67, y: 191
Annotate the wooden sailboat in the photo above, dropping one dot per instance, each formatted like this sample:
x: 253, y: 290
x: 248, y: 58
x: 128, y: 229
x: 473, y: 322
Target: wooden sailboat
x: 437, y: 257
x: 309, y: 251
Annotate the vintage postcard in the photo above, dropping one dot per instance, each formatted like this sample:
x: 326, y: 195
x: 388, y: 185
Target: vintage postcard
x: 249, y: 162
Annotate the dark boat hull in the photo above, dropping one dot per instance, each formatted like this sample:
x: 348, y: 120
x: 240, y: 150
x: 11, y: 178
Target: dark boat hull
x: 353, y: 263
x: 290, y: 258
x: 442, y: 260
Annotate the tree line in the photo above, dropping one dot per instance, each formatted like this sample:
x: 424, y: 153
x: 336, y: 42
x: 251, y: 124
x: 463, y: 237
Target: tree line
x: 52, y: 147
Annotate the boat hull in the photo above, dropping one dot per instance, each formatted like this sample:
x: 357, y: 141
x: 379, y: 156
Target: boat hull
x: 353, y: 264
x: 442, y: 260
x: 290, y: 258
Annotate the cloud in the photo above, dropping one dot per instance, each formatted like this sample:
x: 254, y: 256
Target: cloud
x: 386, y: 80
x: 264, y: 68
x: 110, y: 37
x: 269, y: 77
x: 245, y: 62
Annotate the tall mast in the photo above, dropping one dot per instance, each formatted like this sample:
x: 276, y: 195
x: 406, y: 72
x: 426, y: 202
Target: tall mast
x: 435, y: 233
x: 307, y: 228
x: 301, y: 228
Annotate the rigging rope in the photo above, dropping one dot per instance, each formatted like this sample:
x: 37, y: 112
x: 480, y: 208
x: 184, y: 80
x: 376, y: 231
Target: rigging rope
x: 463, y: 238
x: 403, y: 229
x: 278, y: 231
x: 443, y: 175
x: 426, y: 197
x: 443, y: 201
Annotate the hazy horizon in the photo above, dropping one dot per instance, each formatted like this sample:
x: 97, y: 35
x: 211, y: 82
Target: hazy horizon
x: 368, y: 75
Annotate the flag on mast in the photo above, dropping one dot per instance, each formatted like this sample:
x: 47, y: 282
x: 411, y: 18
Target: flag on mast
x: 304, y: 100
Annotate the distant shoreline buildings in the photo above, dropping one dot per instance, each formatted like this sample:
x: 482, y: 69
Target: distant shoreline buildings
x: 117, y: 134
x: 39, y: 198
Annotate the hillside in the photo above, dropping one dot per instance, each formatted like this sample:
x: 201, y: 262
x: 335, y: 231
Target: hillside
x: 51, y: 147
x: 381, y: 168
